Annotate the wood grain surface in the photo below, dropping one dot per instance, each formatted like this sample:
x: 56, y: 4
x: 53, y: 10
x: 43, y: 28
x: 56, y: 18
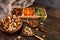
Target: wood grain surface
x: 52, y: 25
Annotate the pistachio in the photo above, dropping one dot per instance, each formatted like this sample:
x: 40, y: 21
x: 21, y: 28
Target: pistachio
x: 37, y: 29
x: 41, y: 23
x: 19, y: 36
x: 14, y: 28
x: 2, y: 20
x: 15, y: 24
x: 43, y: 36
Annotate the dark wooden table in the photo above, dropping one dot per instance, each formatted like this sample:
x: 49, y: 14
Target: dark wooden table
x: 52, y: 25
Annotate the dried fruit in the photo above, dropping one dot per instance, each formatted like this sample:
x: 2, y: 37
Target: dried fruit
x: 17, y: 11
x: 40, y: 12
x: 28, y: 11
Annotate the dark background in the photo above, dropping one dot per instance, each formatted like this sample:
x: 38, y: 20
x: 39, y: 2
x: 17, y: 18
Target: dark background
x: 49, y: 3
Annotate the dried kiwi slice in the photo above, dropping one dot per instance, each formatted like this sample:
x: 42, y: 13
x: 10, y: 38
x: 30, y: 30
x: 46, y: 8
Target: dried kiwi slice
x: 40, y: 12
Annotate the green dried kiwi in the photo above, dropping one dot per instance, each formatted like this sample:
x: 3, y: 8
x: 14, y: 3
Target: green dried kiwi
x: 40, y: 12
x: 43, y: 18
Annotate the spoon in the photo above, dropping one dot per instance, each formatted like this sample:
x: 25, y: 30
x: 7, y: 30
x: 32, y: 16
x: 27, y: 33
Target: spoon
x: 28, y: 32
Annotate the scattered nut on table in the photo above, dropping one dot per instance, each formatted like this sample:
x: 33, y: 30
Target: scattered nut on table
x: 19, y: 36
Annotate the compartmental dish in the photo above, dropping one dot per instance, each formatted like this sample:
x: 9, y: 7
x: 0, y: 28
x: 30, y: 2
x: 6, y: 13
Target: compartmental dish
x: 29, y: 12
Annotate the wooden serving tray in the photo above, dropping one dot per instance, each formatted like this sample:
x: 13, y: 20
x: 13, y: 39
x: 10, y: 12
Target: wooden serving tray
x: 33, y: 16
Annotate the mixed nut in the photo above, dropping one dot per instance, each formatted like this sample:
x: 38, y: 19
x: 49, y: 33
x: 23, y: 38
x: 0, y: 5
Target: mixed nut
x: 11, y: 23
x: 14, y: 22
x: 28, y: 32
x: 33, y: 23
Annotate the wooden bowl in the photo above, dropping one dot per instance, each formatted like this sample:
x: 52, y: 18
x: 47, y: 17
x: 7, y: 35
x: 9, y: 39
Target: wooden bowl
x: 10, y: 26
